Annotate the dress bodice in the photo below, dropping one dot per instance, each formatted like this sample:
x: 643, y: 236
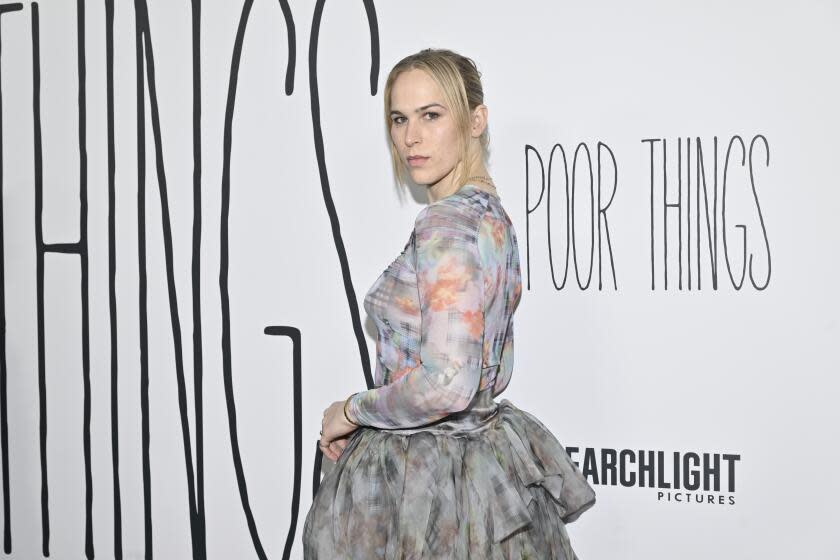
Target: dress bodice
x: 443, y: 313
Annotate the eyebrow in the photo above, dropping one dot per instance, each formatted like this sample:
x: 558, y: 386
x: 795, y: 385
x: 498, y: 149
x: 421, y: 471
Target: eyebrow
x: 423, y: 108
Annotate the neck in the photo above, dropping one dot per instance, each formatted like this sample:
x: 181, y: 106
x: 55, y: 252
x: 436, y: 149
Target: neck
x: 445, y: 186
x: 442, y: 188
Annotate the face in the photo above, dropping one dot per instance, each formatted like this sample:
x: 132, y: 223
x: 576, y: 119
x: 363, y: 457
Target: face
x: 421, y: 125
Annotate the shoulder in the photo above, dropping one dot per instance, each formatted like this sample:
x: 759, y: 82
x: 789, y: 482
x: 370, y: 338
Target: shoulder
x: 458, y: 215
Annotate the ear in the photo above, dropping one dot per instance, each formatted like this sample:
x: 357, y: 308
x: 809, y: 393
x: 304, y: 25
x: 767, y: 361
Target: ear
x: 478, y: 120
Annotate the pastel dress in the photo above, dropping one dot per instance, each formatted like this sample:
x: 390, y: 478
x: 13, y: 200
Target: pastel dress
x: 439, y: 469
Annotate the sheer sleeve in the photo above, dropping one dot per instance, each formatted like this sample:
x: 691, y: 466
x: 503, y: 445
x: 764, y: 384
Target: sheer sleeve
x: 451, y: 292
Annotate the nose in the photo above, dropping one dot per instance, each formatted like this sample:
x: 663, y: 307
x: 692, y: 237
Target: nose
x: 412, y: 134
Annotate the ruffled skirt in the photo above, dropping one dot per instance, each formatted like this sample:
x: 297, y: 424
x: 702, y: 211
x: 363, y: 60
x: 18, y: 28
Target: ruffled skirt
x: 491, y: 482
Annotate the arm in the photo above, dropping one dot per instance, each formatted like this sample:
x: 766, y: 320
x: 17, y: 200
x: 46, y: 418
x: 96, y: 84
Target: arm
x: 506, y: 359
x: 451, y: 290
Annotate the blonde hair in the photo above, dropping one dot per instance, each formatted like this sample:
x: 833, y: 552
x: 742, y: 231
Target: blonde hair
x: 460, y: 81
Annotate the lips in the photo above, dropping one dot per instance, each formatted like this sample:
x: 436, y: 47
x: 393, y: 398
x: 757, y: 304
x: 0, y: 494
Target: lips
x: 417, y: 160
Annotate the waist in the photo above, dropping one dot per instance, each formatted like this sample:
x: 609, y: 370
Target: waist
x: 486, y: 381
x: 477, y: 417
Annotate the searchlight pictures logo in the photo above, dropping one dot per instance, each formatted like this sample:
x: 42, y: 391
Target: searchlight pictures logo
x: 684, y: 477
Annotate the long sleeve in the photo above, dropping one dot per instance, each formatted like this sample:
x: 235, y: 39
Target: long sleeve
x: 514, y: 276
x: 450, y: 286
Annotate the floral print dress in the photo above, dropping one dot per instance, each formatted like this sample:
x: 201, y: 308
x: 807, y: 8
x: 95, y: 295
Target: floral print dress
x: 438, y: 469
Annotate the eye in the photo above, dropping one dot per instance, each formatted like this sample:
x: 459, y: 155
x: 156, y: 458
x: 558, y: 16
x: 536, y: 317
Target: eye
x: 431, y: 114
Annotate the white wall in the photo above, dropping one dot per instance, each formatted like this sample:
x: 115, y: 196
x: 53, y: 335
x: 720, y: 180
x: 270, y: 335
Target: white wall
x: 629, y: 366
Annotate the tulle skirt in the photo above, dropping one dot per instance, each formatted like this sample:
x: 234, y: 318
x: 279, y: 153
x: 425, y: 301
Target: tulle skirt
x: 491, y: 482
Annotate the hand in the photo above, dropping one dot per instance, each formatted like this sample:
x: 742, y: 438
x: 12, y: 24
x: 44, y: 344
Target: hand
x: 336, y: 448
x: 334, y: 428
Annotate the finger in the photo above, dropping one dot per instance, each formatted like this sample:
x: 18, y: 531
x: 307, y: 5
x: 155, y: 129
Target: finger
x: 335, y: 449
x: 327, y: 453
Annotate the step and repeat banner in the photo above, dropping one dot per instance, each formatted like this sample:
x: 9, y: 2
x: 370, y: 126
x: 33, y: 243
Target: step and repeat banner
x: 197, y: 195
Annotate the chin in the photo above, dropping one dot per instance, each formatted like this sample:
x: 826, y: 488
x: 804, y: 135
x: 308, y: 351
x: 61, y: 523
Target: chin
x: 425, y: 177
x: 420, y: 178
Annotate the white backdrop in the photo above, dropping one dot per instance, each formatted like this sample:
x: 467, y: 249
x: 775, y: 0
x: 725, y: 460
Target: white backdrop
x: 620, y: 368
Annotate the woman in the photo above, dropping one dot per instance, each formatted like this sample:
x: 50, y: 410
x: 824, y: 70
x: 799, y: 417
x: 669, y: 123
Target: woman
x: 428, y: 465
